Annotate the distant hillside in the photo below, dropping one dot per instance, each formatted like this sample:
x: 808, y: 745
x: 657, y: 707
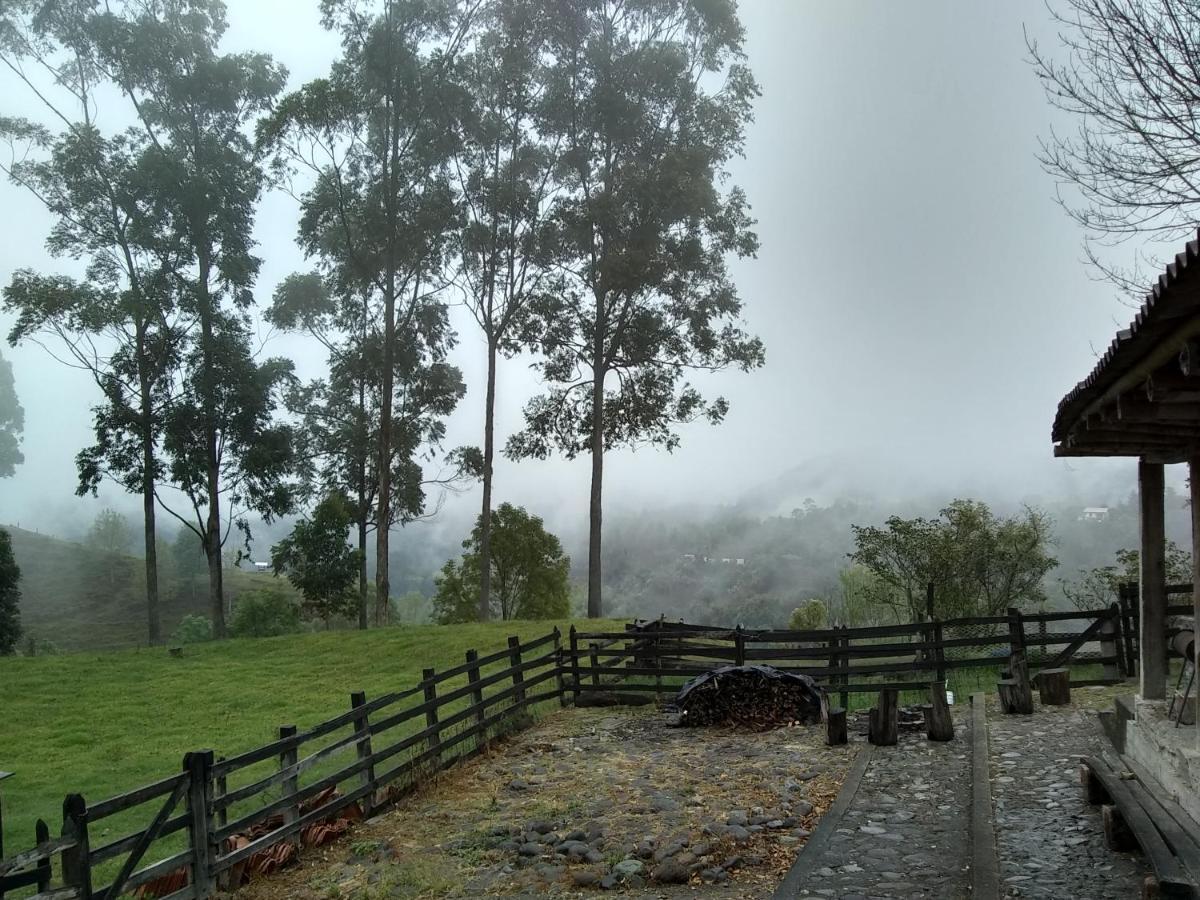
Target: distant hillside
x: 82, y: 599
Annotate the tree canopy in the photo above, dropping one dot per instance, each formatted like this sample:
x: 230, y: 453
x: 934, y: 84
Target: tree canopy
x: 12, y: 422
x: 530, y: 572
x: 318, y: 561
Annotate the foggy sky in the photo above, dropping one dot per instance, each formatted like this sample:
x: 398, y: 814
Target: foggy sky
x: 921, y: 296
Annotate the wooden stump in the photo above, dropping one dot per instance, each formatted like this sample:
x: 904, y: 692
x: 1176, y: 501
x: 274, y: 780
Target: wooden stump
x: 883, y: 729
x: 1054, y: 687
x: 1117, y: 834
x: 1093, y: 787
x: 938, y: 724
x: 1016, y: 694
x: 835, y: 726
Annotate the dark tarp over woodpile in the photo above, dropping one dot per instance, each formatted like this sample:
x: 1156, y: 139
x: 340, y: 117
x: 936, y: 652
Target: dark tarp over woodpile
x: 758, y: 697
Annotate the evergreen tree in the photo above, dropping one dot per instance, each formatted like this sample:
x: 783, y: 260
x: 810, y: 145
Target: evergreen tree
x: 10, y: 597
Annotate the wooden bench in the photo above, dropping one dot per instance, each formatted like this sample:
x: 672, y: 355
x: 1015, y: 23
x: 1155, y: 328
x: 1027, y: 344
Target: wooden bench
x: 1137, y: 812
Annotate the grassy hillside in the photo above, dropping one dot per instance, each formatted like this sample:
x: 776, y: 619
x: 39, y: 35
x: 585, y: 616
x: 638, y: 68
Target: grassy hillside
x: 80, y: 599
x: 102, y: 723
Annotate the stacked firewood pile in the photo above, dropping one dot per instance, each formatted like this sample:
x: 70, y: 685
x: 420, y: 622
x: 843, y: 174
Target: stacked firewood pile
x: 756, y: 697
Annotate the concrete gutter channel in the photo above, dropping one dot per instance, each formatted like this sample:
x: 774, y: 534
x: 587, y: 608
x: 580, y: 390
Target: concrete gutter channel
x: 985, y: 870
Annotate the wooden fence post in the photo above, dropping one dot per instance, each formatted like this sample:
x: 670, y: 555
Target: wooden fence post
x: 433, y: 743
x: 574, y: 637
x: 41, y: 835
x: 1108, y: 642
x: 594, y: 656
x: 739, y: 646
x: 221, y: 790
x: 558, y: 668
x: 476, y: 691
x: 1016, y: 630
x: 939, y: 651
x: 362, y: 727
x: 289, y: 757
x: 76, y: 861
x: 198, y: 765
x: 844, y: 664
x: 518, y: 677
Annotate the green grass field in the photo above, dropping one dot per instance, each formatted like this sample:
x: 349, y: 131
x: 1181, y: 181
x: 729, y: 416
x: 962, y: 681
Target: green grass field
x: 100, y: 724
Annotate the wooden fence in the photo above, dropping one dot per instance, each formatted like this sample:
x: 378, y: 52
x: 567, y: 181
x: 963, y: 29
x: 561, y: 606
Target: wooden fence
x: 656, y: 656
x: 203, y: 825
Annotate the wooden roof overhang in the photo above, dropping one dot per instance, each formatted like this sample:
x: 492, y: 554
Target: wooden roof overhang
x: 1143, y: 397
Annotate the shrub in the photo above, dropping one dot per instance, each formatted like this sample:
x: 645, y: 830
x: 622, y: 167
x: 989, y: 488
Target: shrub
x: 263, y: 613
x: 40, y: 647
x: 193, y: 630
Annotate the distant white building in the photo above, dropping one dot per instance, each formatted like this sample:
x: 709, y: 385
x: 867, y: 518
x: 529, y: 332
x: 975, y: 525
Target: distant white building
x: 1094, y: 514
x: 262, y: 567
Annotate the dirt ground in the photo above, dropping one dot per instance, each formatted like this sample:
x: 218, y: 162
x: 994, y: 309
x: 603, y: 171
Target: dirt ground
x: 586, y: 800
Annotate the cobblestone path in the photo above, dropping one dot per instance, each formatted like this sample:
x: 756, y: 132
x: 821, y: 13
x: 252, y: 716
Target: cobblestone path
x: 1049, y: 841
x: 906, y: 832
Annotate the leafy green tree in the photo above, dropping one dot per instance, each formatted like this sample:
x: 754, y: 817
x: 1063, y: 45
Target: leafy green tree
x: 118, y: 323
x: 193, y: 629
x: 12, y: 422
x: 530, y: 573
x: 109, y: 539
x: 809, y: 616
x: 340, y: 414
x: 1099, y: 588
x: 977, y: 563
x: 504, y: 167
x: 10, y: 597
x: 263, y: 613
x: 188, y: 563
x: 375, y: 136
x: 647, y: 103
x: 318, y: 561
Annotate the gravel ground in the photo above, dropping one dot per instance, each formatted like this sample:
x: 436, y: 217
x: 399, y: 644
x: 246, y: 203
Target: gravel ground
x: 588, y: 800
x: 905, y: 833
x: 1049, y: 840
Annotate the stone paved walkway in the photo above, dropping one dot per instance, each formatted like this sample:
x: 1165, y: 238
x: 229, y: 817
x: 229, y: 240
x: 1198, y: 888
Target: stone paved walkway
x: 1049, y: 840
x: 906, y: 833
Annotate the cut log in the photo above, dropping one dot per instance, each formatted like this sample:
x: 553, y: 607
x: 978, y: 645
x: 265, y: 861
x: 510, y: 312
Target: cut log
x: 1117, y: 833
x: 835, y: 726
x: 938, y: 724
x: 1054, y: 687
x: 1020, y: 674
x: 883, y: 729
x: 1007, y: 692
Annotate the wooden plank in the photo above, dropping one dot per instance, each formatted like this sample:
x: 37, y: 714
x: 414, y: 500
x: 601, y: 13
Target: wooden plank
x: 1158, y: 854
x: 1182, y: 832
x: 124, y: 844
x: 121, y: 802
x: 29, y: 857
x: 148, y: 837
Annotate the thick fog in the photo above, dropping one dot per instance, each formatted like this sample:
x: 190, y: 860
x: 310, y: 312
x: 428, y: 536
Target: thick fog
x: 921, y: 297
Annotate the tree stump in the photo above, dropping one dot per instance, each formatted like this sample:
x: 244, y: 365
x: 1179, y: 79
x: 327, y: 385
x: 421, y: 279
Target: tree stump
x: 938, y: 724
x: 1054, y: 687
x: 1117, y: 834
x: 835, y: 726
x: 1016, y: 694
x: 883, y: 728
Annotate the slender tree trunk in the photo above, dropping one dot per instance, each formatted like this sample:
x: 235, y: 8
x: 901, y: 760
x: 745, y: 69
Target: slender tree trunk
x: 152, y: 613
x: 212, y: 545
x: 384, y: 512
x: 594, y: 601
x: 485, y: 527
x: 362, y: 572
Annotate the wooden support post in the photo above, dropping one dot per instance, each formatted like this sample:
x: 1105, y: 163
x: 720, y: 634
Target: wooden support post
x: 198, y: 765
x: 558, y: 668
x: 76, y: 861
x: 362, y: 727
x: 594, y: 657
x: 883, y: 729
x: 939, y: 651
x: 739, y: 646
x: 574, y: 640
x: 1108, y: 643
x: 835, y: 726
x: 433, y: 743
x: 221, y: 789
x: 1152, y: 577
x: 476, y: 691
x: 844, y: 663
x: 41, y: 835
x: 1016, y: 693
x: 1117, y: 833
x: 1054, y: 687
x: 938, y: 724
x: 290, y: 786
x: 1194, y: 490
x: 518, y: 677
x: 1093, y: 787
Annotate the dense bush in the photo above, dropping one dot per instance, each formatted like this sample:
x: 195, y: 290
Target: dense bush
x: 264, y: 613
x: 193, y: 630
x: 40, y: 647
x: 10, y: 597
